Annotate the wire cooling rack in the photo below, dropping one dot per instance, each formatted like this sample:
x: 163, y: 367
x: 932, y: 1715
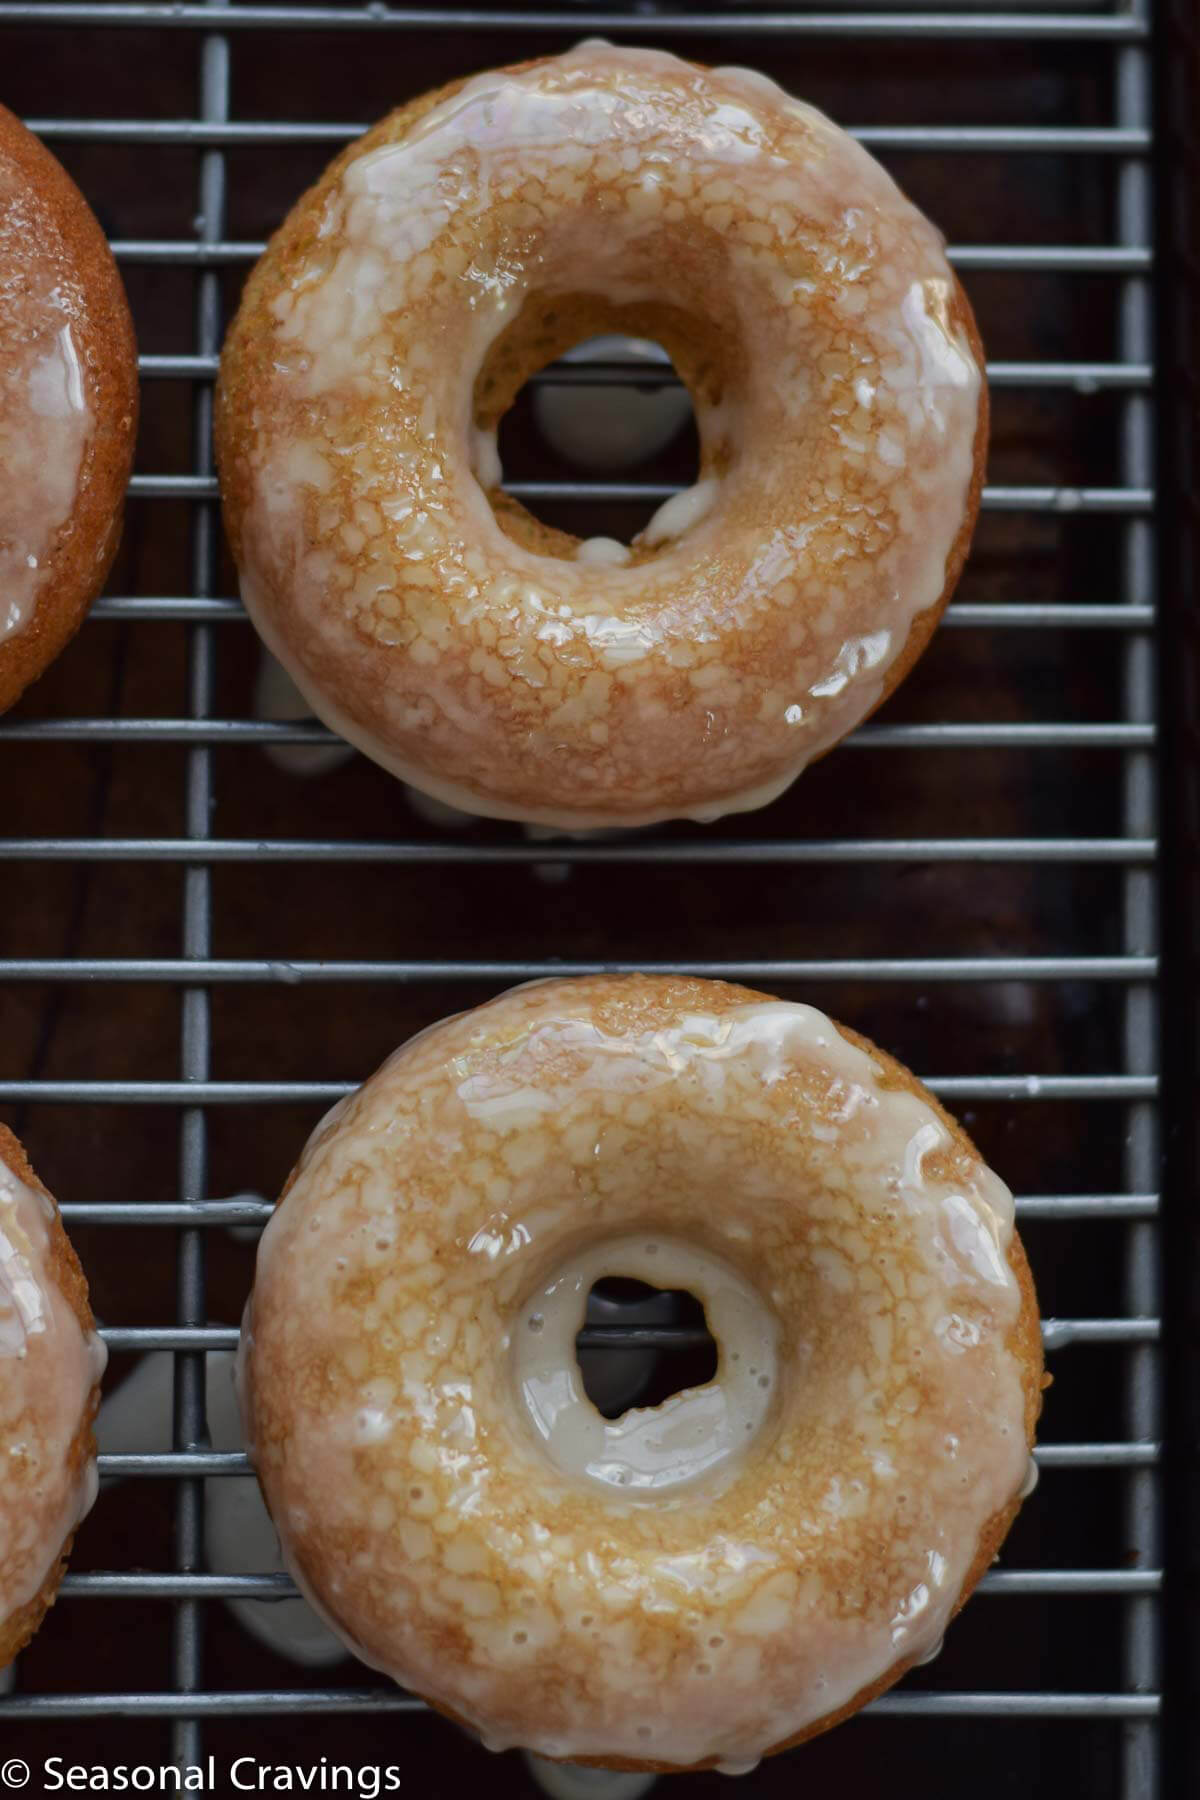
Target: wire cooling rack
x: 972, y: 879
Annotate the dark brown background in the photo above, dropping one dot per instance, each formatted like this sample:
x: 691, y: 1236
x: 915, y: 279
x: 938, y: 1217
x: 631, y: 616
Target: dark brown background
x: 327, y: 909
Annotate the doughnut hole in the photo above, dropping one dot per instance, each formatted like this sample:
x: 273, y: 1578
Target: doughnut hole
x: 611, y: 407
x: 666, y: 445
x: 618, y: 1376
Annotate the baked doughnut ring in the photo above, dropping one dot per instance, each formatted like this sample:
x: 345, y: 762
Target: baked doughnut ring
x: 510, y: 669
x: 688, y: 1586
x: 51, y: 1362
x: 68, y: 407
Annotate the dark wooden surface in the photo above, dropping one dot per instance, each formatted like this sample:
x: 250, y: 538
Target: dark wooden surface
x: 107, y: 1153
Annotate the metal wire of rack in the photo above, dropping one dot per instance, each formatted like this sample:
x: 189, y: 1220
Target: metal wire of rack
x: 207, y: 726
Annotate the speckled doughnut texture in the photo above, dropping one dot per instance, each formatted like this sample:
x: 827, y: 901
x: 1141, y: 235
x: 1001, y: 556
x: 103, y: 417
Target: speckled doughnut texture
x: 415, y: 1501
x: 51, y: 1362
x: 837, y: 380
x: 68, y: 407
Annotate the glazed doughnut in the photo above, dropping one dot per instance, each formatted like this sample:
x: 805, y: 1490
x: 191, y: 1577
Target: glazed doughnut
x: 687, y: 1586
x: 51, y: 1362
x: 68, y: 407
x: 508, y: 668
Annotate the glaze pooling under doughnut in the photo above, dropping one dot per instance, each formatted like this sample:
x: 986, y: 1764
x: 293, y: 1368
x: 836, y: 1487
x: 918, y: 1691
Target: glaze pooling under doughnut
x: 505, y: 667
x: 68, y: 407
x: 51, y: 1361
x: 696, y: 1584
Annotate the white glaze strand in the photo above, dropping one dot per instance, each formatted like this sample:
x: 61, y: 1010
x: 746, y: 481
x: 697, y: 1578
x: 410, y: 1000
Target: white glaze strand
x: 518, y: 1151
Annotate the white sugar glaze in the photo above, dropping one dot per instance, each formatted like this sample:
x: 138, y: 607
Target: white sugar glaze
x: 45, y: 418
x: 583, y: 691
x: 393, y: 1390
x: 648, y: 1450
x: 48, y: 1369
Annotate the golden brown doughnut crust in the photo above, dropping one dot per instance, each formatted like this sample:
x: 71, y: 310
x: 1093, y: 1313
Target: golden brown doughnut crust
x: 19, y: 1627
x: 68, y: 240
x: 1025, y: 1343
x: 703, y: 357
x: 632, y: 1003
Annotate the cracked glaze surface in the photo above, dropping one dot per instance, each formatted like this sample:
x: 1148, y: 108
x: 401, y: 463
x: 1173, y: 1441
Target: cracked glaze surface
x: 45, y: 417
x: 765, y: 607
x: 49, y: 1368
x: 845, y: 1245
